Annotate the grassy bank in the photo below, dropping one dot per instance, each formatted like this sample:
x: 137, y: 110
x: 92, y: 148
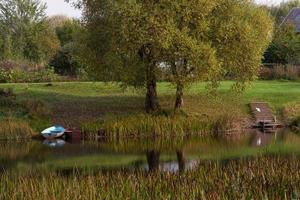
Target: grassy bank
x: 259, y: 178
x: 93, y: 106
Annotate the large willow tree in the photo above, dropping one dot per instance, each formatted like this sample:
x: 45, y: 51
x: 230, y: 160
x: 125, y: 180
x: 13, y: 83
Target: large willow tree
x: 193, y: 40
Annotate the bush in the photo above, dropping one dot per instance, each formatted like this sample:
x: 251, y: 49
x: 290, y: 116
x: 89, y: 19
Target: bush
x: 266, y: 73
x: 288, y: 72
x: 5, y: 76
x: 291, y: 112
x: 292, y: 72
x: 64, y: 62
x: 41, y: 75
x: 16, y: 72
x: 279, y: 72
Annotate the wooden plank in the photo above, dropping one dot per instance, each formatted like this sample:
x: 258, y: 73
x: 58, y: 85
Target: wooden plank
x: 262, y: 113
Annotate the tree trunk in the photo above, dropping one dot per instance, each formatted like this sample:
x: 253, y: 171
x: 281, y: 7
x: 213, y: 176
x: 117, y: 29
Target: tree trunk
x: 179, y: 97
x: 151, y: 102
x: 181, y: 161
x: 153, y: 160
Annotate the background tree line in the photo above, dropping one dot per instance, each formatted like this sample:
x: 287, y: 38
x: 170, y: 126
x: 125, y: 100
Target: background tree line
x: 31, y: 41
x: 285, y: 46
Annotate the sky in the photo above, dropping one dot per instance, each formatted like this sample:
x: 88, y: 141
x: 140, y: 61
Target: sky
x: 59, y: 7
x: 269, y: 1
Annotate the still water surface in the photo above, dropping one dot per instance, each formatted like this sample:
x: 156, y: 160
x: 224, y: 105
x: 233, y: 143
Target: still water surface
x: 144, y: 154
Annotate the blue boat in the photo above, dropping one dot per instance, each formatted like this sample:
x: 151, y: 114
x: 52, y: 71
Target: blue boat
x: 53, y: 132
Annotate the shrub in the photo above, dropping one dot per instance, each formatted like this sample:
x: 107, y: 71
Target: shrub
x: 23, y: 71
x: 292, y: 72
x: 64, y: 62
x: 266, y: 73
x: 5, y: 76
x: 291, y: 112
x: 279, y: 72
x: 289, y: 72
x: 41, y: 75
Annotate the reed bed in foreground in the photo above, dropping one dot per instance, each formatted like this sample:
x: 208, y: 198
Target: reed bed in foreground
x: 259, y: 178
x: 15, y: 129
x: 163, y: 126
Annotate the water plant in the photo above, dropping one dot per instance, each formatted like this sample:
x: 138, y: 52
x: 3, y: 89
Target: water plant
x: 265, y: 177
x: 141, y: 125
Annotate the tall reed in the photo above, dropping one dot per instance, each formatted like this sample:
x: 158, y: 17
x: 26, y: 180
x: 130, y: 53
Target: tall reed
x: 15, y: 129
x: 260, y: 178
x: 149, y: 126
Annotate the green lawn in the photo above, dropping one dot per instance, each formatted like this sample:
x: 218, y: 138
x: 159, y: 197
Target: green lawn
x: 77, y: 102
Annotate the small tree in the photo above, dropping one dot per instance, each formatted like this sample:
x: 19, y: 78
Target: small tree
x: 223, y: 39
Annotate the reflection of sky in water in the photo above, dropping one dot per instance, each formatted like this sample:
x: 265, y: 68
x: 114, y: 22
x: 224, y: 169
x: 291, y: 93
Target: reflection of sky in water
x: 173, y: 167
x: 54, y: 143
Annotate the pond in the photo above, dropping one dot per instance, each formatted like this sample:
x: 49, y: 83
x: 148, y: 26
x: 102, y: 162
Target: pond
x: 143, y: 154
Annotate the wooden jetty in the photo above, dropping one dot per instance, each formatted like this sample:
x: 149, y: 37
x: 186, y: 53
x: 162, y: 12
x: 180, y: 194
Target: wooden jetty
x: 73, y: 135
x: 264, y: 117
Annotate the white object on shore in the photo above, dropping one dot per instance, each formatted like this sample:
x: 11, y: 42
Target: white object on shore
x: 258, y: 109
x: 53, y: 132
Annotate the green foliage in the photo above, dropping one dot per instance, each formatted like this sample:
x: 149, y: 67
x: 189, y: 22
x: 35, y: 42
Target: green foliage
x: 65, y: 61
x: 241, y: 32
x: 67, y: 31
x: 291, y: 112
x: 25, y: 33
x: 41, y: 75
x: 285, y: 46
x: 5, y: 76
x: 18, y: 75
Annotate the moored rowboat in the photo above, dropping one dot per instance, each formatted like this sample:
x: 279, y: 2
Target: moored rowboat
x: 53, y: 132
